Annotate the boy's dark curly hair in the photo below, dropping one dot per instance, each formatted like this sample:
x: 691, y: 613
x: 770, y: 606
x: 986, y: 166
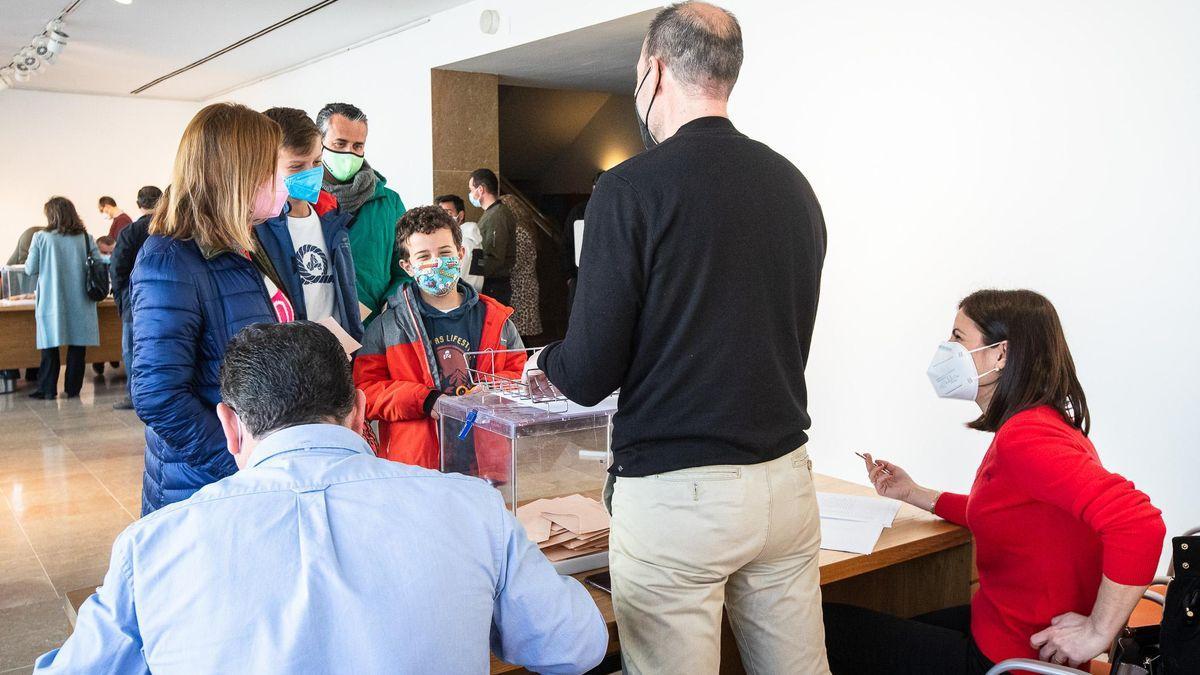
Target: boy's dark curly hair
x: 426, y: 220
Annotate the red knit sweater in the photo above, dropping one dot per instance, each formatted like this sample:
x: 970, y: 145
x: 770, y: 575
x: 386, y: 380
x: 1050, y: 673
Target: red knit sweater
x: 1048, y: 520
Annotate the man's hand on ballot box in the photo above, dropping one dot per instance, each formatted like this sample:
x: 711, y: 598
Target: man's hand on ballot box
x: 540, y: 388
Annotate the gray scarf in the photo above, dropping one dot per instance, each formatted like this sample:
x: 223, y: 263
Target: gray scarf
x: 352, y: 195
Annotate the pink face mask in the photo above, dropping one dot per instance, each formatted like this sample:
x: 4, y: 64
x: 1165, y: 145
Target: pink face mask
x: 269, y: 199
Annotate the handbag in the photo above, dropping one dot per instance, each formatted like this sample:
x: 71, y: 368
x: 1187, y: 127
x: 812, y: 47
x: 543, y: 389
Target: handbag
x: 95, y: 278
x: 1172, y: 647
x: 1179, y: 639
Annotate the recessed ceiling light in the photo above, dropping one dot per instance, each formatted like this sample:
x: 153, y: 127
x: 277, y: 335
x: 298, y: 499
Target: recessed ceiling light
x: 124, y: 2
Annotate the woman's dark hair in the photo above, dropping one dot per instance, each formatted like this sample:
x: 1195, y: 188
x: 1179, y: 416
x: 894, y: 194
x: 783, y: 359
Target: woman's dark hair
x: 1039, y: 369
x: 61, y: 217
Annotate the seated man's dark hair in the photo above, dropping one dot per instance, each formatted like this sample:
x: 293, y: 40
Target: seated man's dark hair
x: 279, y: 375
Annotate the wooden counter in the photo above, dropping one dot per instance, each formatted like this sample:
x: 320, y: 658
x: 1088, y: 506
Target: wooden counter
x: 921, y: 564
x: 18, y: 336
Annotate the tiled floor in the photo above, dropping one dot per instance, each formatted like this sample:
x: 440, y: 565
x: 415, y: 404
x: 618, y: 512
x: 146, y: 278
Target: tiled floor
x: 70, y: 481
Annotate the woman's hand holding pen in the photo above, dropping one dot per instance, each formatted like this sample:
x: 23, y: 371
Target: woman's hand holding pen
x: 894, y: 482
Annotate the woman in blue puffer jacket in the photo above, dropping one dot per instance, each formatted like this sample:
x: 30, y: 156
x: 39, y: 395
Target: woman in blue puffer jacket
x: 196, y: 284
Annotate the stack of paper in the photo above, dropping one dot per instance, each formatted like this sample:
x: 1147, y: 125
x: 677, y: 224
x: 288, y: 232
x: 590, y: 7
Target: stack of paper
x: 566, y: 527
x: 853, y: 524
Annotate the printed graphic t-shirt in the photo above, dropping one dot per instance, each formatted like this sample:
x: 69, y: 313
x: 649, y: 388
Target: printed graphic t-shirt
x: 311, y: 260
x: 452, y: 335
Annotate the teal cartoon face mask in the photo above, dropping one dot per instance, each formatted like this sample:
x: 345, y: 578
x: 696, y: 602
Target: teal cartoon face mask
x: 439, y: 276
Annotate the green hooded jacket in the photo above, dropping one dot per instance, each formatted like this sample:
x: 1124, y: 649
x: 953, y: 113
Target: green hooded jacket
x: 373, y: 246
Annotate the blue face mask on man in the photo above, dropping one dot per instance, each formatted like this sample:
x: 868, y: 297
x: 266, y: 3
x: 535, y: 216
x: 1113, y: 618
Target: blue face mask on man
x: 306, y: 185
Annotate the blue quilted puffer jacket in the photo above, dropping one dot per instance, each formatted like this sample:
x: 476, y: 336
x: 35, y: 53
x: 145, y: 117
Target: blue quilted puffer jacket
x: 185, y: 310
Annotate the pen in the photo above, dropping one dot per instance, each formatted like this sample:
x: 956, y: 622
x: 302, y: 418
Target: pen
x: 876, y: 461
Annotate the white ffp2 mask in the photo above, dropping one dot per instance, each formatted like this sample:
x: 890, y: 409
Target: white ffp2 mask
x: 952, y: 371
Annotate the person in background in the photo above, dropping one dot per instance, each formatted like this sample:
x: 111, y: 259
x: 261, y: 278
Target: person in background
x: 471, y: 238
x: 498, y: 252
x: 21, y: 252
x: 118, y: 220
x: 711, y: 489
x: 129, y: 242
x: 65, y: 315
x: 195, y: 285
x: 105, y: 245
x: 308, y: 244
x: 404, y: 365
x: 569, y: 266
x: 296, y: 562
x: 362, y: 192
x: 1064, y: 547
x: 525, y: 301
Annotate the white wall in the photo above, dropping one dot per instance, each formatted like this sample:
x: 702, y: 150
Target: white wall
x: 389, y: 79
x: 81, y: 147
x: 954, y: 145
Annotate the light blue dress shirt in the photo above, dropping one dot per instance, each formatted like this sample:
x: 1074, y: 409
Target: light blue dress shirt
x: 320, y: 558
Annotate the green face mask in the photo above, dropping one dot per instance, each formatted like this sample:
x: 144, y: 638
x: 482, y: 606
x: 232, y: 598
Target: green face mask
x: 341, y: 165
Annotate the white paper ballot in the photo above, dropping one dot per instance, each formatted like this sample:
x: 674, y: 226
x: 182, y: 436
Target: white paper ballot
x: 349, y: 344
x: 850, y: 536
x: 862, y: 509
x: 567, y: 407
x: 578, y: 226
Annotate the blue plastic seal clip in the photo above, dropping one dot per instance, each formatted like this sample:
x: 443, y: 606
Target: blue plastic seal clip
x: 469, y: 422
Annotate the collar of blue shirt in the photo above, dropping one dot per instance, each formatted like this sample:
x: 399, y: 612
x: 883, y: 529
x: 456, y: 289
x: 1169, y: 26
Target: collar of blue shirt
x: 307, y: 437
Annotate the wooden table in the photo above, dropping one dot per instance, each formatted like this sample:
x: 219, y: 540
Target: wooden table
x: 921, y: 564
x: 18, y: 336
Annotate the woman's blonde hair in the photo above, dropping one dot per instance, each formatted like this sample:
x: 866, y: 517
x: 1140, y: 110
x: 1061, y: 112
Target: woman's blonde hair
x: 226, y: 154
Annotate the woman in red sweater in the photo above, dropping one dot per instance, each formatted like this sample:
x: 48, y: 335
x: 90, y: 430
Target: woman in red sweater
x: 1064, y: 548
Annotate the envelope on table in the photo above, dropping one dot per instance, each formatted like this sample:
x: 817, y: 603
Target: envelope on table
x: 537, y: 527
x: 581, y: 516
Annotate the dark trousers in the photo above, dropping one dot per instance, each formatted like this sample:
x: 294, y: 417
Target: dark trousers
x: 48, y: 371
x: 862, y: 642
x: 498, y: 288
x: 127, y: 355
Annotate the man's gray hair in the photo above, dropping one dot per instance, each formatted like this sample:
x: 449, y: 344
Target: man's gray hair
x: 700, y: 43
x: 347, y: 110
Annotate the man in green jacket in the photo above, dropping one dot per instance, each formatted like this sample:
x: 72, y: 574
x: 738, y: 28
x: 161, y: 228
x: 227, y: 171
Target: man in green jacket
x: 362, y: 192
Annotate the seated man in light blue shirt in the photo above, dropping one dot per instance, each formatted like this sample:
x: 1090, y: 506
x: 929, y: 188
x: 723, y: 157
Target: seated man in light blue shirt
x: 317, y: 557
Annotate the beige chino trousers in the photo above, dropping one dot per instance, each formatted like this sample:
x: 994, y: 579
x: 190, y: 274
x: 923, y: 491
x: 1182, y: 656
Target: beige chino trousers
x: 686, y: 543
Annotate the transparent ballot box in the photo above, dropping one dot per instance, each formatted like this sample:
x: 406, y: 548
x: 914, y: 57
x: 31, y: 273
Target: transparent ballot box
x: 15, y: 285
x: 543, y: 452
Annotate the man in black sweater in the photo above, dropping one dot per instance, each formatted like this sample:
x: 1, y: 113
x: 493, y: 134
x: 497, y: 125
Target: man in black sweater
x: 129, y: 242
x: 696, y: 297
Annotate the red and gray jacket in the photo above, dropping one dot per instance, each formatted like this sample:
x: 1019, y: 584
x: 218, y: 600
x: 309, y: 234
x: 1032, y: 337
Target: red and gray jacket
x: 396, y: 370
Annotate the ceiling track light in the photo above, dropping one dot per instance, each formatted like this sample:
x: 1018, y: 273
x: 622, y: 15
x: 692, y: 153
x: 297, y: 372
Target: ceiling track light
x: 41, y: 51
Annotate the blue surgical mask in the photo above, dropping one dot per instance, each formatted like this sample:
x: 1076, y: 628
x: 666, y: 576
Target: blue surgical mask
x: 474, y: 202
x: 306, y: 185
x: 439, y: 276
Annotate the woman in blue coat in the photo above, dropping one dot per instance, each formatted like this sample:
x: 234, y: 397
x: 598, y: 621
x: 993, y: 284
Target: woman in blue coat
x: 195, y: 285
x: 65, y: 315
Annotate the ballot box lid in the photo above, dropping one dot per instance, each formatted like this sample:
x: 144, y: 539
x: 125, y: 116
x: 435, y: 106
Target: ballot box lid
x: 515, y: 417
